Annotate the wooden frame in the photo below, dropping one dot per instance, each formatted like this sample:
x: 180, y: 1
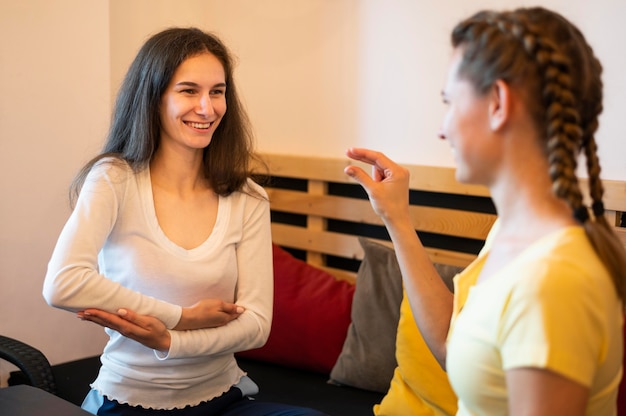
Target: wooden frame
x: 466, y: 221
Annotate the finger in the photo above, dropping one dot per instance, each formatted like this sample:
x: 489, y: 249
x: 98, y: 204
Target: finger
x: 371, y: 157
x: 124, y: 318
x: 102, y: 318
x: 382, y: 166
x: 360, y: 154
x: 359, y: 175
x: 232, y: 309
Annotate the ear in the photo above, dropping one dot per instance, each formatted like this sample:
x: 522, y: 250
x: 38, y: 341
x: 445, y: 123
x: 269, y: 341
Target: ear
x: 500, y: 104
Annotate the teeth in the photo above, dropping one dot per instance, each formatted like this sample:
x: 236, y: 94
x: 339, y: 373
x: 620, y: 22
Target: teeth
x: 200, y: 125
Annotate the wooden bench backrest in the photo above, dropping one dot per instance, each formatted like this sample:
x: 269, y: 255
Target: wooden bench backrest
x: 320, y: 212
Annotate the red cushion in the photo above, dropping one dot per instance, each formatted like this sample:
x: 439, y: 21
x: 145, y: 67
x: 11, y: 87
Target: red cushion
x: 311, y: 316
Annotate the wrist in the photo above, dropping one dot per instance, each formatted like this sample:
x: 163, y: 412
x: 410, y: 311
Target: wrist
x: 186, y: 317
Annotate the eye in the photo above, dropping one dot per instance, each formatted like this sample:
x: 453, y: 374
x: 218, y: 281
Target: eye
x: 218, y: 91
x: 188, y: 91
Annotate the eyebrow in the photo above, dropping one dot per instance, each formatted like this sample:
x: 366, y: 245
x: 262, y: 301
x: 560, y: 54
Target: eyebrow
x: 193, y: 84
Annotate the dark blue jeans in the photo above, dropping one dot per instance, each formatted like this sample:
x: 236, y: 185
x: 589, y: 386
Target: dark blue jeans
x: 230, y: 403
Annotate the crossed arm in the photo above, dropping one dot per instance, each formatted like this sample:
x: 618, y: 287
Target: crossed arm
x: 152, y: 332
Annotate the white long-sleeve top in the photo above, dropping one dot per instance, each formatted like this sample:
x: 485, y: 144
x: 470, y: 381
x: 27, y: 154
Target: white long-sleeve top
x: 112, y: 254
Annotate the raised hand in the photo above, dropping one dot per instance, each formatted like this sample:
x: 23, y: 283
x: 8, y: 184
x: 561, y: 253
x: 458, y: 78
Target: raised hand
x: 144, y: 329
x: 388, y: 187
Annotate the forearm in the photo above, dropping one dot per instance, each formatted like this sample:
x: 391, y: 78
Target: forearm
x: 75, y: 289
x: 246, y: 332
x: 431, y: 301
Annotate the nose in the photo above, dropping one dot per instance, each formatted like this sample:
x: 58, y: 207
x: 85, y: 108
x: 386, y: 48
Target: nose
x: 205, y: 106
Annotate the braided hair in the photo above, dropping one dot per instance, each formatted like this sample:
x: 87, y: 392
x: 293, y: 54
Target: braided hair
x: 548, y: 55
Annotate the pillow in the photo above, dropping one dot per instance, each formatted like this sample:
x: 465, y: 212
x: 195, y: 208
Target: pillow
x: 311, y: 316
x: 419, y: 385
x: 367, y: 360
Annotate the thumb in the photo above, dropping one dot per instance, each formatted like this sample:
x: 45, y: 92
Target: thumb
x: 232, y: 308
x: 126, y: 314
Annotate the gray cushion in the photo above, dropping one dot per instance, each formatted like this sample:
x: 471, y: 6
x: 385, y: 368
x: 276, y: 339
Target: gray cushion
x: 368, y: 359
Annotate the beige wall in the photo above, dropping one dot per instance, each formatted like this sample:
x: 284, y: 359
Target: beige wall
x: 54, y: 104
x: 297, y: 62
x: 317, y: 76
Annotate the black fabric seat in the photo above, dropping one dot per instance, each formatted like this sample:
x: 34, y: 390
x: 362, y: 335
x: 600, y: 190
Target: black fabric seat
x: 309, y: 389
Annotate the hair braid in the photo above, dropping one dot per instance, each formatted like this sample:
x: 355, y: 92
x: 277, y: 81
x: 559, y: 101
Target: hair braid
x: 562, y: 119
x: 512, y: 37
x: 590, y: 124
x: 565, y: 100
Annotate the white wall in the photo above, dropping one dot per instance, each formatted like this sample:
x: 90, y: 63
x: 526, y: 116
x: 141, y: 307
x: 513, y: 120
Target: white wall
x: 54, y: 104
x: 317, y: 76
x: 320, y: 76
x: 404, y: 48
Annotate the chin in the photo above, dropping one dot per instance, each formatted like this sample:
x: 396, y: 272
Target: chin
x: 459, y: 175
x: 463, y: 176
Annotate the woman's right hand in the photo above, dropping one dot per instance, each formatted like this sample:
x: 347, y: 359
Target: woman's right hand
x: 208, y: 313
x: 387, y: 188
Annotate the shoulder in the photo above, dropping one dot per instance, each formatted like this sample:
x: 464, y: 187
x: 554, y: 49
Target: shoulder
x: 111, y: 168
x: 255, y: 187
x: 566, y: 265
x: 249, y: 199
x: 109, y: 174
x: 253, y: 190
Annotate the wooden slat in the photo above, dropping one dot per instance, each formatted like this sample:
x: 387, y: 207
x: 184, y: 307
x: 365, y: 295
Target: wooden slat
x: 614, y: 194
x: 317, y: 242
x: 340, y: 274
x: 425, y: 178
x: 326, y: 242
x: 430, y: 219
x: 621, y: 233
x: 348, y: 246
x: 316, y: 222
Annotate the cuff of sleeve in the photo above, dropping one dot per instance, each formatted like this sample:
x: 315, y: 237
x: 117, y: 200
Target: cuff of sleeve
x: 172, y: 320
x: 174, y: 347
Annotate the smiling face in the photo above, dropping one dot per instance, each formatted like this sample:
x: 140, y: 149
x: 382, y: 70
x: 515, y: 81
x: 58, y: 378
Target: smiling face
x: 193, y: 103
x: 466, y: 126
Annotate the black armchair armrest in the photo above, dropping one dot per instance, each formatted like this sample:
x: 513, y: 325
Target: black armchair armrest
x: 31, y: 361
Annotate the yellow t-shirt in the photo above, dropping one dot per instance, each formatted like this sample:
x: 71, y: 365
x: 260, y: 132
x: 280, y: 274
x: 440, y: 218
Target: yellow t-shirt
x: 553, y: 307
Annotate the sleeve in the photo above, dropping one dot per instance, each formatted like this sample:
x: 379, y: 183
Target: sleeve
x: 73, y: 281
x: 555, y: 323
x: 255, y: 292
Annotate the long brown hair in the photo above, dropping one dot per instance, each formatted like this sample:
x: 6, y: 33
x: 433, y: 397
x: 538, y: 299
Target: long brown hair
x: 549, y: 56
x: 135, y: 128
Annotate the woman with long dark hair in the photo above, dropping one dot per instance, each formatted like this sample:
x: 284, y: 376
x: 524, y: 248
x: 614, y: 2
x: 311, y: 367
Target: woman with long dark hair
x: 168, y: 245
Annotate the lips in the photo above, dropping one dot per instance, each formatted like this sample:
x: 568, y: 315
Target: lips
x: 198, y: 125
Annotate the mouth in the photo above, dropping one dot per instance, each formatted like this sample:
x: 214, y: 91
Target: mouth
x: 201, y: 126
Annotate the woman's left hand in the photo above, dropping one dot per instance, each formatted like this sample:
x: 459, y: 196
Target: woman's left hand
x: 144, y: 329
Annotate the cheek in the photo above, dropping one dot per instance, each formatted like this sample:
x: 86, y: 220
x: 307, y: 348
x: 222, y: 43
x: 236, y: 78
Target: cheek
x: 447, y: 124
x: 167, y: 110
x: 220, y: 107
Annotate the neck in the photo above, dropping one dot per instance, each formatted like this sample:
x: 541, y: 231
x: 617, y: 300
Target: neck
x: 176, y: 172
x: 526, y: 206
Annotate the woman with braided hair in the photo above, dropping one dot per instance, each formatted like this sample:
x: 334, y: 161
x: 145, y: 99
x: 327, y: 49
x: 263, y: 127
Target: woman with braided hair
x: 534, y: 326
